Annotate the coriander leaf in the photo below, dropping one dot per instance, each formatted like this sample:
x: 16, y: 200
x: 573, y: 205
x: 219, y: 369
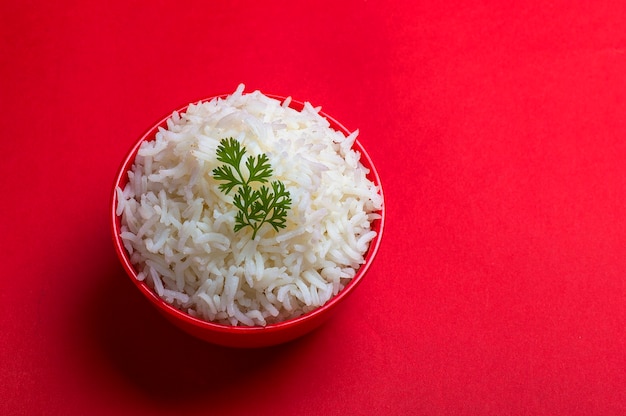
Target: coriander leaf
x: 225, y: 173
x: 280, y: 203
x: 259, y: 168
x: 231, y: 152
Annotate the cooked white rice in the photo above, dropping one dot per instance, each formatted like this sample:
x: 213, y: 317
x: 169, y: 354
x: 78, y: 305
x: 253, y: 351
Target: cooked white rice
x: 178, y: 226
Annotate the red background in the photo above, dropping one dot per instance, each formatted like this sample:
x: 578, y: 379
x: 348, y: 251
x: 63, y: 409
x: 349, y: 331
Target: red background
x: 499, y: 133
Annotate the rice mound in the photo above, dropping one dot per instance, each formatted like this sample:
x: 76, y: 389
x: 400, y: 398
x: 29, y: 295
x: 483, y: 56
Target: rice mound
x: 177, y: 225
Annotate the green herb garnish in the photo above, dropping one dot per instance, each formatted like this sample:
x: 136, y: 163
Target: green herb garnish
x: 256, y: 206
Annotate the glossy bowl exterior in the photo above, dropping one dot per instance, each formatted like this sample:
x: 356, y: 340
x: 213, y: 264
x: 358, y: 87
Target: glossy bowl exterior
x: 243, y: 336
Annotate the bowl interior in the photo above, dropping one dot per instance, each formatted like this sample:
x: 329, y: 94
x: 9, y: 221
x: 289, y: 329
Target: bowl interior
x: 243, y: 336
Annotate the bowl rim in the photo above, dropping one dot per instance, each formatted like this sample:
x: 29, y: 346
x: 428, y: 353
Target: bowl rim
x: 121, y: 178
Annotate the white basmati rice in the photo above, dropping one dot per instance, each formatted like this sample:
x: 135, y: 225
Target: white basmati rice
x: 178, y: 226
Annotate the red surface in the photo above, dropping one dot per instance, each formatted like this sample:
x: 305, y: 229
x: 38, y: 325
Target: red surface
x: 499, y: 133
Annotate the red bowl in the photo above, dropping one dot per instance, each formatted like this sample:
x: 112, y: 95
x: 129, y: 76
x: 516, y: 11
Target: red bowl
x: 243, y: 336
